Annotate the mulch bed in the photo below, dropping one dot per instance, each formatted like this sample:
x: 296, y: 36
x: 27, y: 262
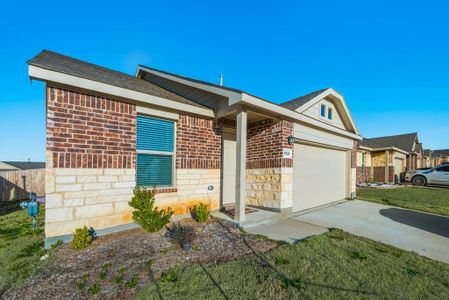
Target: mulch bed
x: 117, y: 265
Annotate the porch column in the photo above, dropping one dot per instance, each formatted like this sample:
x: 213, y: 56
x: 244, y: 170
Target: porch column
x: 240, y: 191
x: 387, y: 168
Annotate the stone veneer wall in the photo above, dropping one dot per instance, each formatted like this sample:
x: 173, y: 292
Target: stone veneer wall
x: 90, y: 161
x: 269, y: 176
x: 198, y: 165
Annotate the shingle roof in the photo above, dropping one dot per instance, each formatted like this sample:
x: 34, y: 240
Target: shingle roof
x: 205, y: 83
x: 195, y: 80
x: 427, y: 152
x: 403, y: 141
x: 441, y: 152
x: 64, y: 64
x: 300, y: 101
x: 26, y: 165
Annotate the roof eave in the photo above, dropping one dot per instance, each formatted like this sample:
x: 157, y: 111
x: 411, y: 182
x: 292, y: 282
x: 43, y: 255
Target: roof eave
x: 39, y: 73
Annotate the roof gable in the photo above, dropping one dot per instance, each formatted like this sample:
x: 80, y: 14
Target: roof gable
x: 405, y: 142
x: 304, y: 103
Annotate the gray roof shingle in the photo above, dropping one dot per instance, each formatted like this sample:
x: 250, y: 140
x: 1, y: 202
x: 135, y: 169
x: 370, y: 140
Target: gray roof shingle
x: 403, y: 141
x: 64, y: 64
x: 26, y: 165
x: 440, y: 153
x: 300, y: 101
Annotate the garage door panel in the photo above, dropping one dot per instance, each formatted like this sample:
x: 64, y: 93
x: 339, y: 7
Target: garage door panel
x: 320, y: 176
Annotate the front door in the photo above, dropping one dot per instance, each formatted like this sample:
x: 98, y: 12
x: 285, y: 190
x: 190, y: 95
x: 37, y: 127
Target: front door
x: 229, y: 168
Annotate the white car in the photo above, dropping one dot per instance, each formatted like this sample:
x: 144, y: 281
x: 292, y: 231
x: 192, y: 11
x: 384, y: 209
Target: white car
x: 410, y: 174
x: 438, y: 175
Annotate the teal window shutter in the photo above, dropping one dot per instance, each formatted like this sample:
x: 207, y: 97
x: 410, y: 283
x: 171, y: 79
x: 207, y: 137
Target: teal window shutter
x: 155, y: 148
x: 155, y: 134
x: 154, y: 170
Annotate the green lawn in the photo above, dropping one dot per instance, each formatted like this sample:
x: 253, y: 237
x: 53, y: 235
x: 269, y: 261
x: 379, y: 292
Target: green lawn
x: 20, y: 246
x: 329, y: 266
x: 433, y: 200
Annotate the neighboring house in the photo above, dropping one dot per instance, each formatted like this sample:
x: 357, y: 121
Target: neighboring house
x: 436, y: 157
x: 20, y: 165
x: 427, y: 159
x: 386, y: 159
x: 194, y: 141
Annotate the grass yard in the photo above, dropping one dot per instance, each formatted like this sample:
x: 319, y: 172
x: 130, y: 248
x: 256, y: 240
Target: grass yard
x: 427, y: 199
x: 20, y: 246
x: 329, y: 266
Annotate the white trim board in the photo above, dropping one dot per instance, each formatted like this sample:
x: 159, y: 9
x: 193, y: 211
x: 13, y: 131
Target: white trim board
x: 70, y: 80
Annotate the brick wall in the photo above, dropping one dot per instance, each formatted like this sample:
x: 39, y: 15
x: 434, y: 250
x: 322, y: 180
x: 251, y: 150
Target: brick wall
x: 198, y: 143
x: 363, y: 176
x: 266, y: 140
x: 85, y: 131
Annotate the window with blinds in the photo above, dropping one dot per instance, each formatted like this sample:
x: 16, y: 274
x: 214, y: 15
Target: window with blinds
x: 155, y: 152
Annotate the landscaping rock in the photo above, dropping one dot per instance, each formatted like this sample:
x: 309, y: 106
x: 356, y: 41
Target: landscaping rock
x: 116, y: 265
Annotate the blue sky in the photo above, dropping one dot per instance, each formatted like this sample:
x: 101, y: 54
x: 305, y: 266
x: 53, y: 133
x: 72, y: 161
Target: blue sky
x: 390, y: 59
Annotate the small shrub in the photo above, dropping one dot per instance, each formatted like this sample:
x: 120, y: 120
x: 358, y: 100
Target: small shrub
x: 81, y: 285
x: 150, y: 262
x: 57, y: 244
x: 103, y: 274
x: 201, y: 212
x: 181, y: 235
x: 118, y: 279
x: 131, y: 283
x: 145, y: 213
x: 169, y: 276
x: 95, y: 289
x: 81, y: 238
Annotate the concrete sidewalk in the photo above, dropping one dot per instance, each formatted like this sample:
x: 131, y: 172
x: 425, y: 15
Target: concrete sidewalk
x: 288, y: 230
x: 424, y: 233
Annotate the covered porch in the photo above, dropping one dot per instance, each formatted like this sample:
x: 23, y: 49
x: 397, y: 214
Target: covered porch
x: 252, y: 155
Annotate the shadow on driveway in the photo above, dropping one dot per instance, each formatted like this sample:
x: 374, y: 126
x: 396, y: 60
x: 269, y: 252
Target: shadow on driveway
x: 428, y: 222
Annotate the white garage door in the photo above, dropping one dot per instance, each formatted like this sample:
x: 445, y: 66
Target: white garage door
x: 319, y: 176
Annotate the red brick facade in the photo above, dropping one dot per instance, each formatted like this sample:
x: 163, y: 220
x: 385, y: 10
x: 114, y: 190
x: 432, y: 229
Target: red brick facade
x: 266, y: 141
x: 363, y: 175
x: 85, y: 131
x: 198, y: 143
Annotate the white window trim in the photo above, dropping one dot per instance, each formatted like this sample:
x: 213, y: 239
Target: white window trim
x: 165, y: 153
x: 325, y: 118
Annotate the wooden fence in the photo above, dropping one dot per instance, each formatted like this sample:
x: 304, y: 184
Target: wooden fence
x: 16, y: 185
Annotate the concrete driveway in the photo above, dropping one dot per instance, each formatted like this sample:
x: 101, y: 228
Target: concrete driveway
x: 426, y: 234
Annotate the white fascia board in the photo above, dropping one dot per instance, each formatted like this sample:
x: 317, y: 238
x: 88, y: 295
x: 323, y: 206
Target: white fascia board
x: 70, y: 80
x: 234, y: 97
x: 281, y: 111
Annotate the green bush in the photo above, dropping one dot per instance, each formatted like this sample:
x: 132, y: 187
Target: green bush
x: 145, y: 213
x: 81, y: 238
x: 201, y: 212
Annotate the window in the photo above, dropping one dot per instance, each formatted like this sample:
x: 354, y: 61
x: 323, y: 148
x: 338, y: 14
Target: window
x: 323, y: 110
x: 443, y: 169
x: 155, y: 152
x: 329, y: 113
